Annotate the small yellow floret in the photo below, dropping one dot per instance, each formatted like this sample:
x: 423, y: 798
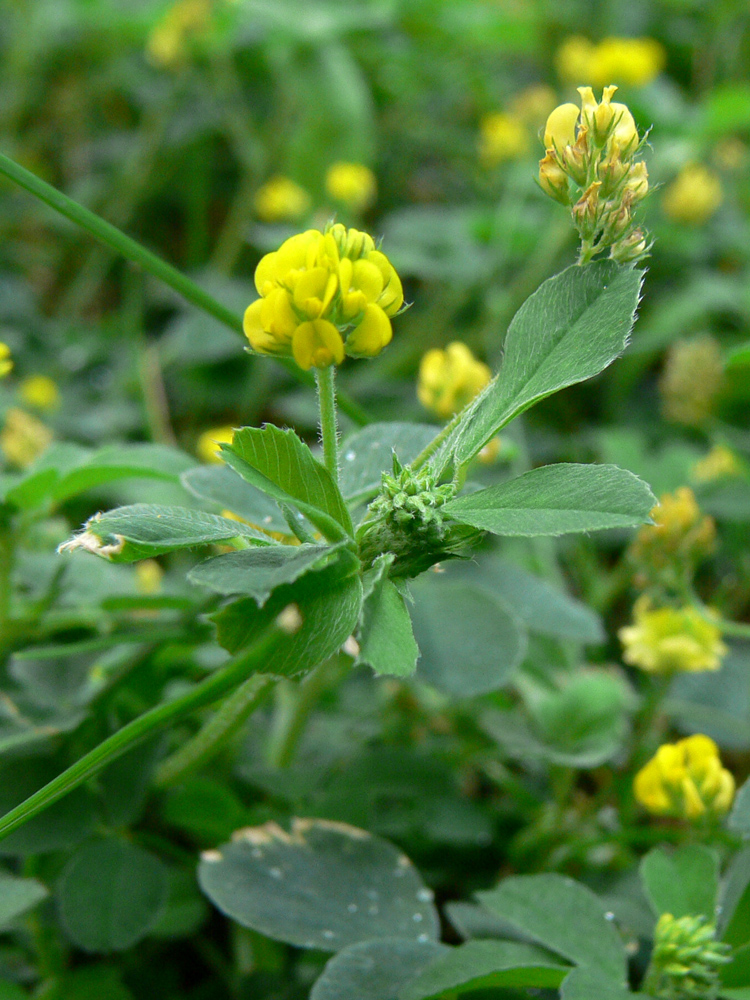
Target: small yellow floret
x: 148, y: 576
x: 40, y: 391
x: 692, y: 380
x: 351, y: 184
x: 685, y: 779
x: 450, y: 379
x: 23, y: 437
x: 720, y: 463
x: 208, y: 447
x: 167, y: 45
x: 502, y: 137
x: 6, y: 362
x: 671, y: 640
x: 281, y: 199
x: 693, y: 196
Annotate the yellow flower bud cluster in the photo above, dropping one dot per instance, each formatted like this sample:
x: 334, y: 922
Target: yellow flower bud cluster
x: 666, y: 552
x: 635, y: 61
x: 720, y: 463
x: 208, y: 446
x: 40, y: 392
x: 686, y: 780
x: 23, y: 437
x: 693, y: 196
x: 686, y: 958
x: 671, y: 640
x: 281, y: 199
x: 450, y: 379
x: 6, y: 362
x: 167, y: 45
x: 591, y: 164
x: 352, y: 185
x: 323, y: 296
x: 692, y: 379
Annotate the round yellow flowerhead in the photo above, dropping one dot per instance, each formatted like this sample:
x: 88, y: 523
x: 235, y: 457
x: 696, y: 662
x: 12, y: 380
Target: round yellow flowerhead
x: 351, y: 184
x: 693, y: 196
x: 450, y: 379
x: 324, y: 295
x: 40, y: 392
x: 6, y: 362
x: 23, y: 437
x: 671, y: 640
x: 208, y: 446
x: 692, y: 380
x: 502, y: 137
x: 685, y: 779
x: 281, y: 199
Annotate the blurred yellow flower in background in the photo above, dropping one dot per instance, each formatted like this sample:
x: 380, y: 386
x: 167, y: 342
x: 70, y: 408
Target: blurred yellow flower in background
x: 720, y: 463
x: 167, y: 45
x: 450, y: 379
x: 533, y: 104
x: 671, y: 640
x: 281, y: 199
x: 148, y: 577
x: 23, y: 437
x: 502, y: 137
x: 691, y: 381
x: 633, y: 61
x: 39, y: 391
x: 6, y: 362
x: 208, y: 448
x: 685, y: 779
x: 351, y: 184
x: 693, y: 196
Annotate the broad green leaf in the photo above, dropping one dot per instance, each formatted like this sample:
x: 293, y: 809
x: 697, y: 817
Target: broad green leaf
x: 561, y: 915
x: 374, y: 970
x: 739, y: 817
x: 590, y: 984
x: 205, y: 809
x: 279, y: 463
x: 684, y: 882
x: 556, y: 499
x: 733, y: 913
x: 328, y: 604
x: 257, y: 572
x: 367, y: 453
x: 17, y: 895
x: 110, y: 894
x: 469, y: 641
x: 386, y: 638
x: 740, y: 993
x: 472, y: 921
x: 127, y: 461
x: 570, y: 329
x: 323, y: 885
x: 736, y: 974
x: 186, y: 908
x: 223, y: 486
x: 487, y: 965
x: 143, y: 530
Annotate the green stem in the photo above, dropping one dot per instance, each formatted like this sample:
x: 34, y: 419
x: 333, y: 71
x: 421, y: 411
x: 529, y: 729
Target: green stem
x: 112, y: 237
x: 220, y: 728
x: 325, y: 379
x: 296, y: 708
x: 205, y: 693
x: 427, y: 452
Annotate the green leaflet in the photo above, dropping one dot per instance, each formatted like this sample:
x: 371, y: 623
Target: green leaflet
x: 386, y: 638
x: 556, y: 499
x: 569, y: 330
x: 684, y: 882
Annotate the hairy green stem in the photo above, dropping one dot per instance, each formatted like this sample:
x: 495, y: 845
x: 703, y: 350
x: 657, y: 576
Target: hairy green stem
x: 208, y: 691
x: 112, y: 237
x: 325, y: 379
x: 220, y: 728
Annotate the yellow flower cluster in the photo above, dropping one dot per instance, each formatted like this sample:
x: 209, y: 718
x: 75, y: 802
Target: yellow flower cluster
x: 352, y: 185
x: 680, y: 530
x: 322, y: 296
x: 23, y: 437
x: 720, y: 463
x: 671, y: 640
x: 450, y: 379
x: 281, y: 199
x: 167, y: 45
x: 685, y: 779
x: 692, y: 379
x: 6, y: 362
x: 590, y: 164
x: 40, y: 392
x: 207, y: 447
x: 635, y: 61
x: 693, y: 196
x: 502, y: 137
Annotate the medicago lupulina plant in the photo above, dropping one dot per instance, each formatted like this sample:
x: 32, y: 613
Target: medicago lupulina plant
x: 320, y: 551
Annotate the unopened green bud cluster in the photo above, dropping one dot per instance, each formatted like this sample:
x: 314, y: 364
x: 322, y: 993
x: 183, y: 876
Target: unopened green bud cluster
x: 405, y: 518
x: 686, y: 959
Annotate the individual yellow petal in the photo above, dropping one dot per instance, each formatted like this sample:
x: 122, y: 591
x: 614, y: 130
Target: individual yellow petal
x: 277, y: 315
x: 317, y: 344
x: 560, y: 130
x: 367, y: 278
x: 392, y: 297
x: 208, y: 445
x: 261, y: 340
x: 311, y: 291
x: 624, y: 134
x: 371, y: 335
x: 266, y: 273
